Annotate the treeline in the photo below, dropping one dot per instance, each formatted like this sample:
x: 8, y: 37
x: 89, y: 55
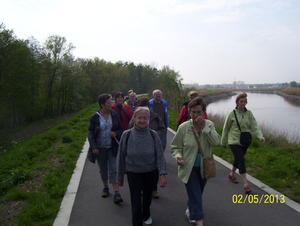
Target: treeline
x: 45, y: 80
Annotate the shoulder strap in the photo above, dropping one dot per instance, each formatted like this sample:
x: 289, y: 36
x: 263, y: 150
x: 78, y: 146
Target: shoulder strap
x: 237, y: 120
x: 128, y: 135
x: 152, y: 134
x: 193, y: 129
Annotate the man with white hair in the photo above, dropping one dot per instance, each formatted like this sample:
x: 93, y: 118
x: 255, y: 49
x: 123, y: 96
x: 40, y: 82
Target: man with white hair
x: 159, y: 106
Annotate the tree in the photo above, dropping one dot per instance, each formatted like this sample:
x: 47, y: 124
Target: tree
x: 17, y: 80
x: 56, y: 60
x: 293, y: 84
x: 169, y: 82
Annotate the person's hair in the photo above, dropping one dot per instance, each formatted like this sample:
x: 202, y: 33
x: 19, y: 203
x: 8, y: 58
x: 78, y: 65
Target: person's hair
x: 113, y: 94
x: 132, y: 93
x: 119, y: 94
x: 103, y: 98
x: 157, y: 91
x: 197, y: 101
x: 193, y: 93
x: 240, y: 96
x: 141, y: 109
x: 143, y: 102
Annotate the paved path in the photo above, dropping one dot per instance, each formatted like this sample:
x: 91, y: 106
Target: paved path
x: 92, y: 210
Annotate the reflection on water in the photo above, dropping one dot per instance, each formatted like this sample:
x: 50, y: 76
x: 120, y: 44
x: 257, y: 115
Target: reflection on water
x: 271, y: 110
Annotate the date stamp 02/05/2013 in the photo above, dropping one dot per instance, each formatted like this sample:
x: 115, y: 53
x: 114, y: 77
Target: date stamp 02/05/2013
x: 258, y: 199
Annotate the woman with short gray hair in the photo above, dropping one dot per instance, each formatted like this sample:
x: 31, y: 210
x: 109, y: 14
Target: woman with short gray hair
x: 140, y: 152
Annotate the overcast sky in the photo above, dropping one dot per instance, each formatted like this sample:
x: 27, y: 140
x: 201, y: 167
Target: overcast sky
x: 206, y: 41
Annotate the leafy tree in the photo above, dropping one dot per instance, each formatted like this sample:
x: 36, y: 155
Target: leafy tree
x: 17, y: 80
x: 56, y: 60
x: 293, y: 84
x: 148, y: 78
x: 169, y: 82
x: 133, y: 77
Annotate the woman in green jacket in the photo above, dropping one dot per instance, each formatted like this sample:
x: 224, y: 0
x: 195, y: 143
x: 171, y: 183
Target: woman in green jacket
x: 185, y: 150
x: 231, y: 131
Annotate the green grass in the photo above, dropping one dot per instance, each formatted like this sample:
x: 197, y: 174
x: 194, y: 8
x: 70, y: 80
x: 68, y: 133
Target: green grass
x: 37, y: 171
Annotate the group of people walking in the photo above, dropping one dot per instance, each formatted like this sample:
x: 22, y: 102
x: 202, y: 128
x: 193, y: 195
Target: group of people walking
x: 130, y: 138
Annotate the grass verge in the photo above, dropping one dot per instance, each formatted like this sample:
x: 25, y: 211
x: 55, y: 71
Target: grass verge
x: 35, y: 173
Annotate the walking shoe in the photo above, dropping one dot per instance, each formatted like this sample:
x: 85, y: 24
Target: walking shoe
x: 155, y: 194
x: 233, y: 179
x: 187, y: 214
x: 117, y: 198
x: 149, y: 221
x: 105, y: 192
x: 247, y: 190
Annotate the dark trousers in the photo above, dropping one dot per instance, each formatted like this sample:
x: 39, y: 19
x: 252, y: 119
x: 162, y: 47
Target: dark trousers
x: 156, y: 179
x: 239, y: 159
x: 140, y: 210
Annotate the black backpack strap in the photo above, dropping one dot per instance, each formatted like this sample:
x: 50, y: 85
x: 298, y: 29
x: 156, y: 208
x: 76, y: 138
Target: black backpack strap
x: 128, y: 135
x: 152, y: 134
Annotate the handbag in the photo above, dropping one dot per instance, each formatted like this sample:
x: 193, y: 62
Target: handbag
x: 209, y: 163
x: 245, y: 137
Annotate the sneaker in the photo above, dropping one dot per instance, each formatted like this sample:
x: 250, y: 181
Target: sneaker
x: 187, y: 214
x: 233, y: 179
x: 149, y: 221
x: 247, y: 190
x: 105, y: 192
x: 117, y: 198
x: 155, y: 194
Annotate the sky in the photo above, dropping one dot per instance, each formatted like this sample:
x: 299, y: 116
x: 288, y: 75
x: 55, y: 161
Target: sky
x: 205, y: 41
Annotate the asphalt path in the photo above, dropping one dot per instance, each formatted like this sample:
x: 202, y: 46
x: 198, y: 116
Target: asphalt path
x: 219, y: 202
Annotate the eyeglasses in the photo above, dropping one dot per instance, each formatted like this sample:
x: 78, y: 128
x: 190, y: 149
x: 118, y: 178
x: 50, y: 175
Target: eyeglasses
x: 142, y: 118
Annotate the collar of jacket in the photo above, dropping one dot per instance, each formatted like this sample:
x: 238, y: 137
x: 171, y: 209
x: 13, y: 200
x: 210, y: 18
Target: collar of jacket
x: 240, y: 111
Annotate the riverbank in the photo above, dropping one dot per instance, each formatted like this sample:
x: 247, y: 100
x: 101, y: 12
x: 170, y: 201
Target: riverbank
x: 219, y: 96
x: 294, y: 98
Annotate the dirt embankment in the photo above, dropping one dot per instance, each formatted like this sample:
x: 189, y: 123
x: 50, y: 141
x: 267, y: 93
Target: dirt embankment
x: 293, y: 98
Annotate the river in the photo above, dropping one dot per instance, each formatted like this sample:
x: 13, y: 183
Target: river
x: 270, y: 110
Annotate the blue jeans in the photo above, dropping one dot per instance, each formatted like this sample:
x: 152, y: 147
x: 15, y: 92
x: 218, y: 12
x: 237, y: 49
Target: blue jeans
x: 106, y: 161
x: 195, y: 187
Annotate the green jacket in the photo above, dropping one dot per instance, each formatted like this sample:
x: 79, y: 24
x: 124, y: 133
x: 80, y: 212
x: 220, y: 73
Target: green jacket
x: 184, y: 145
x: 247, y: 123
